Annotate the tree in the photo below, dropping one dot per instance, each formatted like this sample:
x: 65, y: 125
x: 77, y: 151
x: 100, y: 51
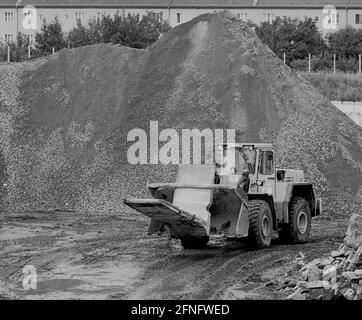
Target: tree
x: 18, y: 49
x: 51, y: 36
x: 128, y: 30
x: 86, y: 35
x: 346, y: 43
x: 138, y: 32
x: 21, y: 47
x: 153, y: 28
x: 293, y: 37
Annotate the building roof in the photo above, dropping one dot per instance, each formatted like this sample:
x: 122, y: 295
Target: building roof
x: 268, y: 3
x: 186, y: 3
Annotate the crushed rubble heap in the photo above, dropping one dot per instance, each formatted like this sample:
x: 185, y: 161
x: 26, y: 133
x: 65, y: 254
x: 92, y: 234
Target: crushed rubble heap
x: 338, y: 276
x: 64, y: 119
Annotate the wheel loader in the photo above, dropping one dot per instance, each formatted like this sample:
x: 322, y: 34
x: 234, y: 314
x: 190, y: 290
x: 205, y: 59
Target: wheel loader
x: 242, y: 196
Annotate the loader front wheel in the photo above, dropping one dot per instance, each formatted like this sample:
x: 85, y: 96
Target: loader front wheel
x: 194, y: 242
x: 260, y: 224
x: 297, y: 230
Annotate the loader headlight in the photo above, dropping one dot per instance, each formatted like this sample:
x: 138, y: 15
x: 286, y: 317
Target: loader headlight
x: 259, y: 182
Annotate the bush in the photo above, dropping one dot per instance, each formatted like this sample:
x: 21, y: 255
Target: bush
x: 318, y: 64
x: 322, y: 64
x: 340, y: 86
x: 347, y: 64
x: 300, y: 65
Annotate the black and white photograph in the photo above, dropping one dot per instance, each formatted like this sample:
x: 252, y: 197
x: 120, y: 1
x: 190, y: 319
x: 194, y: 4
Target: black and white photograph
x: 201, y: 152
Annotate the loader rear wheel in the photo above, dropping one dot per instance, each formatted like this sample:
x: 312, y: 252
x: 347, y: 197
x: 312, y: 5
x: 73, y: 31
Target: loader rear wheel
x: 300, y: 219
x: 260, y: 224
x: 194, y: 242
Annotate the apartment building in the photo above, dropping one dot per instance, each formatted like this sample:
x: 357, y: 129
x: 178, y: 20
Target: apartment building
x: 26, y: 16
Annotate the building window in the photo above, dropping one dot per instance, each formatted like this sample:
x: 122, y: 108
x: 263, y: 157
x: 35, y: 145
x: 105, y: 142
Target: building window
x: 358, y: 18
x: 9, y: 16
x: 159, y: 16
x: 31, y: 38
x: 180, y: 17
x: 101, y: 15
x: 267, y: 17
x: 79, y: 17
x: 242, y: 16
x: 8, y: 38
x: 333, y: 17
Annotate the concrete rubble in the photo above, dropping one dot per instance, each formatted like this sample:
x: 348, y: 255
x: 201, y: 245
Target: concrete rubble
x: 338, y: 276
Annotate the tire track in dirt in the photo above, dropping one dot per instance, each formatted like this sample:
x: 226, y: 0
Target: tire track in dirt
x: 209, y: 273
x: 209, y: 276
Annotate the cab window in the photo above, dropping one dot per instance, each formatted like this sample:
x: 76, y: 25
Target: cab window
x: 266, y: 163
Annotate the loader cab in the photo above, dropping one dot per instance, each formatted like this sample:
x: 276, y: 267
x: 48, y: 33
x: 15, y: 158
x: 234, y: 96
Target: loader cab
x: 265, y: 176
x: 237, y: 160
x: 257, y: 161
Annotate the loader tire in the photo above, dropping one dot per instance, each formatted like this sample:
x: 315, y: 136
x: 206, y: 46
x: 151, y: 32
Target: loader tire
x: 194, y: 242
x: 300, y: 219
x: 260, y: 224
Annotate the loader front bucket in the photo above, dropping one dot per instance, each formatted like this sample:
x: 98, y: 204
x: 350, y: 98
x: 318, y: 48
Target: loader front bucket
x: 179, y: 222
x: 194, y: 206
x: 187, y: 213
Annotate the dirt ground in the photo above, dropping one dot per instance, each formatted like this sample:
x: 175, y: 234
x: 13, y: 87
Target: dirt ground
x: 93, y: 256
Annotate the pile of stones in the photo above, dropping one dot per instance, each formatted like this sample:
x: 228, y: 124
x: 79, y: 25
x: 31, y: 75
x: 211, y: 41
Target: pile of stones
x: 338, y: 276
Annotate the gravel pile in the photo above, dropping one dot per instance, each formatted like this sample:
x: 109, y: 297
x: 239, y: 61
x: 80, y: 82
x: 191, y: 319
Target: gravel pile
x: 64, y: 121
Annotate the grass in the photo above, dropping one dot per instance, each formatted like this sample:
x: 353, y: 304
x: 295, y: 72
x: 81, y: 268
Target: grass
x: 339, y: 86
